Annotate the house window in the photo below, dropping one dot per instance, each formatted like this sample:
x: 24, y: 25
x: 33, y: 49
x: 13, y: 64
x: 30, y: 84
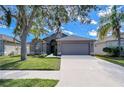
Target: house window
x: 37, y: 45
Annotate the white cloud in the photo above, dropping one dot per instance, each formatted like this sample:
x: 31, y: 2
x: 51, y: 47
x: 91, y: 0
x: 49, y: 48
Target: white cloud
x: 119, y: 8
x: 122, y: 30
x: 3, y: 26
x: 92, y: 33
x: 68, y: 32
x: 105, y: 12
x: 62, y: 28
x: 97, y: 28
x: 93, y: 22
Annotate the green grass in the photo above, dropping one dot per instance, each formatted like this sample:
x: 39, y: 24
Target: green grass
x: 27, y: 83
x: 115, y: 60
x: 33, y: 63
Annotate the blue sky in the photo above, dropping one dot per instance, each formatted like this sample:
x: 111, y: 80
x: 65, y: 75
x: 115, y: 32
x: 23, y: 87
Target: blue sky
x: 72, y: 28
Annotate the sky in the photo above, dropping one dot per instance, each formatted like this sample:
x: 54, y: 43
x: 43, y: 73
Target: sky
x: 70, y: 28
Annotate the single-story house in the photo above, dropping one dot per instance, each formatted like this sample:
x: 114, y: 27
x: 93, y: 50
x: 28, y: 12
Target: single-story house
x: 65, y: 45
x: 9, y: 45
x: 109, y: 41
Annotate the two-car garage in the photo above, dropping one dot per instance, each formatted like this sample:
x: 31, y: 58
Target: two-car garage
x: 75, y: 45
x: 75, y: 49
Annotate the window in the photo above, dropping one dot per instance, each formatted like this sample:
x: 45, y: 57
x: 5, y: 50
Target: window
x: 37, y: 45
x: 1, y: 42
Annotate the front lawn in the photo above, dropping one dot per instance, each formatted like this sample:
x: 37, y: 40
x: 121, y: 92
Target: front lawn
x: 27, y: 83
x: 33, y: 63
x: 116, y: 60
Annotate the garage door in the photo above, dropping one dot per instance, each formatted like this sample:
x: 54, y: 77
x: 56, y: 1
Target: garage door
x: 75, y: 49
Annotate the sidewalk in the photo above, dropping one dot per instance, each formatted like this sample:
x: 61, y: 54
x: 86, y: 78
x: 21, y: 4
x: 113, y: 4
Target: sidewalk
x: 24, y: 74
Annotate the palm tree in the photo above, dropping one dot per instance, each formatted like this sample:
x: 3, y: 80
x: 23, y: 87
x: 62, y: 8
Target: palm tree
x: 111, y: 23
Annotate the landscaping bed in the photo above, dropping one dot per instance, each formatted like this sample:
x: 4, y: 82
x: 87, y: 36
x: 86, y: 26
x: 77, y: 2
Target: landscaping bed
x: 116, y: 60
x: 27, y: 83
x: 32, y: 63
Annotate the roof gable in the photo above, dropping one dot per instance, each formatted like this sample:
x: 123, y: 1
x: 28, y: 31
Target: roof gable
x: 54, y: 36
x: 7, y: 38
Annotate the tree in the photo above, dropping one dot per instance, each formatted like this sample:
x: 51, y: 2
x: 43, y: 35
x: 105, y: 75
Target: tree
x: 58, y: 15
x: 111, y: 23
x: 25, y: 16
x: 38, y: 28
x: 5, y: 17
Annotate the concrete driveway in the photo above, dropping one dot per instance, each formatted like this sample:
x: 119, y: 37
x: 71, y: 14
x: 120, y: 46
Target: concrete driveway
x: 78, y: 71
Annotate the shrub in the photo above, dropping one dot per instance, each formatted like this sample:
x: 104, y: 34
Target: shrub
x: 107, y: 50
x: 113, y: 51
x: 43, y: 55
x: 116, y: 51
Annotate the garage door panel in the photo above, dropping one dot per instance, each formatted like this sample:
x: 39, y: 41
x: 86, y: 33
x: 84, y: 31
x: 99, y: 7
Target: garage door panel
x: 75, y: 49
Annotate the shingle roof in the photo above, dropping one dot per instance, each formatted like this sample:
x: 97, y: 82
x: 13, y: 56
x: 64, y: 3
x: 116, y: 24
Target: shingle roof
x: 7, y: 38
x: 52, y: 35
x: 74, y: 37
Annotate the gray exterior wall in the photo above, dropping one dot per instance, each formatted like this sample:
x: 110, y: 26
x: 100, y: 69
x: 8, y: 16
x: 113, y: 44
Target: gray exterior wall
x: 7, y: 48
x: 38, y: 47
x: 28, y: 48
x: 11, y: 48
x: 91, y: 47
x: 1, y: 47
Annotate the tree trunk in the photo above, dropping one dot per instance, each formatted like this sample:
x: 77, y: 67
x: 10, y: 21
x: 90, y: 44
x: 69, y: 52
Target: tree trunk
x: 23, y: 46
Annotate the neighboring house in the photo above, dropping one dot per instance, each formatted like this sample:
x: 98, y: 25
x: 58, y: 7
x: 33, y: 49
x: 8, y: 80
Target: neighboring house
x: 65, y: 45
x: 10, y: 46
x: 109, y: 41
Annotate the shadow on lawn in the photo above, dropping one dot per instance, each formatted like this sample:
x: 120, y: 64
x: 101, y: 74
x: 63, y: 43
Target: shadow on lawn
x: 4, y: 82
x: 9, y: 65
